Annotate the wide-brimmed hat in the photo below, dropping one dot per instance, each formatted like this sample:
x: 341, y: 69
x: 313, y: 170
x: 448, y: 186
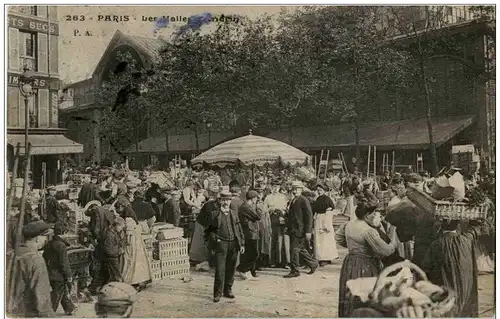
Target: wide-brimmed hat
x: 175, y: 192
x: 225, y: 195
x: 414, y: 178
x: 51, y: 188
x: 259, y: 187
x: 275, y: 182
x: 92, y: 203
x: 235, y: 189
x: 297, y: 184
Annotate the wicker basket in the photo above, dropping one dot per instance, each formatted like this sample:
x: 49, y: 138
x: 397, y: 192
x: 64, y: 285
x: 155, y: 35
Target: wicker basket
x: 446, y: 209
x: 435, y: 310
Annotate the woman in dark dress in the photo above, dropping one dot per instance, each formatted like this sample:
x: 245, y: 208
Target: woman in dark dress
x: 366, y: 248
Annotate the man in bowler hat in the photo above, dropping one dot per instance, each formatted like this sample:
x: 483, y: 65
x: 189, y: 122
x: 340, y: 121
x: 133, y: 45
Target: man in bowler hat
x: 226, y: 239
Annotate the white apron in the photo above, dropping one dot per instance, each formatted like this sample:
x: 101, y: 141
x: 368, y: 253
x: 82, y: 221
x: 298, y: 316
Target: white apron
x: 325, y: 247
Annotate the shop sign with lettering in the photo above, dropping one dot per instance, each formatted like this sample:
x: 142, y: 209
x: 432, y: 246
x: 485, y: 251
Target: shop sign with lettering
x: 39, y: 82
x: 33, y: 25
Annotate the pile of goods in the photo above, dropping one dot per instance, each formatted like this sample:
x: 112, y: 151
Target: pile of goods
x: 305, y: 174
x: 448, y: 199
x: 167, y: 251
x: 391, y: 295
x: 384, y: 197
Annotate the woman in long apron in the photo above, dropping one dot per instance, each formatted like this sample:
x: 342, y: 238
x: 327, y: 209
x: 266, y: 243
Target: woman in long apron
x: 136, y: 270
x: 325, y: 247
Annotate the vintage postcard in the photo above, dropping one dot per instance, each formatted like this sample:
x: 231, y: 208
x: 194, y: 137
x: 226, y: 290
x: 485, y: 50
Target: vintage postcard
x: 250, y: 161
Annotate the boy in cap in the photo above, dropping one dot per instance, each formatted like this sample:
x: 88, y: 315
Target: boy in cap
x: 111, y: 251
x: 60, y: 275
x: 54, y: 210
x: 28, y: 286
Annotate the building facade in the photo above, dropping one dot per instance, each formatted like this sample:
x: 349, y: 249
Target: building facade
x: 33, y: 44
x: 463, y: 107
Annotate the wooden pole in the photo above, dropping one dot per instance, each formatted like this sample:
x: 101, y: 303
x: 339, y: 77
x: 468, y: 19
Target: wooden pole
x: 19, y: 233
x: 253, y: 176
x: 20, y: 225
x: 12, y: 190
x: 44, y: 186
x: 368, y: 166
x: 393, y: 161
x: 374, y: 161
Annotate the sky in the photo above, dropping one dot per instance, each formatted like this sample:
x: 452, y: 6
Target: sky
x: 79, y: 51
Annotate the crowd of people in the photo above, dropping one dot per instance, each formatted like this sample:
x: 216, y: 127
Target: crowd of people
x: 239, y: 226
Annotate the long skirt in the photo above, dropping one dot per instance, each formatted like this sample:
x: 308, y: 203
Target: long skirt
x: 325, y: 247
x: 198, y: 252
x: 136, y: 268
x: 353, y: 267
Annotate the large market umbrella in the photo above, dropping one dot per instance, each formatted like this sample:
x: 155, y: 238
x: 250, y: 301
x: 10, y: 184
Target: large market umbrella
x: 251, y: 151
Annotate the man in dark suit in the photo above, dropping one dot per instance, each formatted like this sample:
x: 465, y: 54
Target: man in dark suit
x: 227, y: 239
x: 60, y: 275
x: 300, y: 219
x: 249, y: 223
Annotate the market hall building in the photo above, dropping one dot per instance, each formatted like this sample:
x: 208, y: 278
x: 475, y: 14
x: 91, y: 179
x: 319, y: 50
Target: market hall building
x: 33, y: 33
x: 464, y: 113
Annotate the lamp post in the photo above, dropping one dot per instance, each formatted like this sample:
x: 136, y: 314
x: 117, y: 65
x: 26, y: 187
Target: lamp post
x: 26, y: 88
x: 209, y: 127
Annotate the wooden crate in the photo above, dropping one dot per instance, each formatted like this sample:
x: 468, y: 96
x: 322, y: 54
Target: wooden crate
x: 148, y: 241
x: 155, y: 267
x: 175, y: 266
x: 172, y: 248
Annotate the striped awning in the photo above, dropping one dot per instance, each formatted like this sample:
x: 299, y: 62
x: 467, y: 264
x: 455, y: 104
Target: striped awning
x: 251, y: 150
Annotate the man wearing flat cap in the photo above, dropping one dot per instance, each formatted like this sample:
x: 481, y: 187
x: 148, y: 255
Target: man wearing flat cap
x: 226, y: 239
x: 54, y: 209
x: 29, y: 295
x: 55, y: 254
x: 300, y: 222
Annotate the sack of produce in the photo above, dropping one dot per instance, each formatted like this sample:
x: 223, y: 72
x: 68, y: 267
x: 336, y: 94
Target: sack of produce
x: 410, y: 287
x: 449, y: 187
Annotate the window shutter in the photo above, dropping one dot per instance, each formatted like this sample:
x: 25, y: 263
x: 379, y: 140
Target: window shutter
x: 54, y: 108
x: 43, y: 108
x: 41, y: 11
x: 42, y: 53
x: 53, y: 65
x: 13, y: 49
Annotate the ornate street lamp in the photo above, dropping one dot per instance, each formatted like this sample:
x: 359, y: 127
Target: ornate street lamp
x: 26, y: 88
x: 209, y: 127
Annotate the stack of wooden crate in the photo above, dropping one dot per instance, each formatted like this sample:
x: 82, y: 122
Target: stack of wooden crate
x: 173, y: 255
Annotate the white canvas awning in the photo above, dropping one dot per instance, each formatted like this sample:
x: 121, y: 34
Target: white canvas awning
x: 45, y: 144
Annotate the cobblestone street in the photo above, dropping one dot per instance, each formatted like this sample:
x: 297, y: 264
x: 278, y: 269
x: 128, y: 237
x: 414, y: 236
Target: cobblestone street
x: 270, y: 296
